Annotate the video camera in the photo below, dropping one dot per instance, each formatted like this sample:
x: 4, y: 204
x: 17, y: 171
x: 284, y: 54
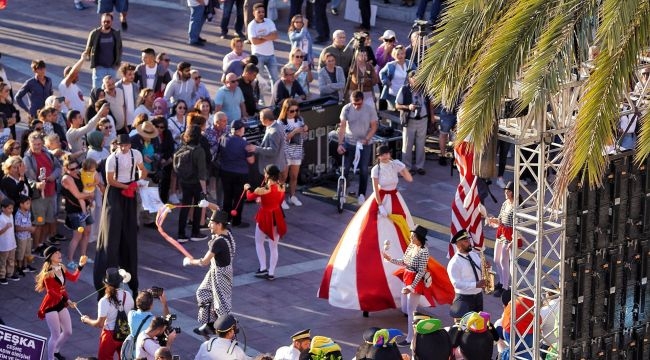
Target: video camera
x: 359, y: 40
x: 162, y: 338
x: 422, y: 26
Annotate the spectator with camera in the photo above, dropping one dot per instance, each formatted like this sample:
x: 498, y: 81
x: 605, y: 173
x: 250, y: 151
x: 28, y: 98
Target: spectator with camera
x: 224, y: 346
x: 158, y: 334
x: 142, y: 316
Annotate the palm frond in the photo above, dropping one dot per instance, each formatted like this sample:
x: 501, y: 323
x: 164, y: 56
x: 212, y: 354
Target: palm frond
x: 499, y: 61
x: 623, y: 32
x: 643, y: 141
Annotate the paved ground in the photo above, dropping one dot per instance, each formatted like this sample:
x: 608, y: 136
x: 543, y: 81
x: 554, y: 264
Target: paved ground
x: 269, y: 311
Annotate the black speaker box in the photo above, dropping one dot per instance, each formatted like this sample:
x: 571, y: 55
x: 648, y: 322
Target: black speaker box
x: 321, y: 116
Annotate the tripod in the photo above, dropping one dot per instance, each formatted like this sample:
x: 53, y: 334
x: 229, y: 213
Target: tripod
x: 420, y: 29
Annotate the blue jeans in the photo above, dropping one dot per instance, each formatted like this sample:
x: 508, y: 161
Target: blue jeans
x: 239, y: 21
x: 271, y: 64
x: 335, y: 4
x: 196, y: 22
x: 436, y: 7
x: 364, y: 162
x: 98, y: 75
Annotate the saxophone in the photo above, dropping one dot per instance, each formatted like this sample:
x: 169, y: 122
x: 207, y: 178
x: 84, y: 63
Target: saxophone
x: 488, y: 275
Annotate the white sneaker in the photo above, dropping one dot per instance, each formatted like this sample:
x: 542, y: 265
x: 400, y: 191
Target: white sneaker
x: 285, y: 206
x: 294, y: 200
x: 501, y: 183
x: 361, y: 199
x: 173, y: 199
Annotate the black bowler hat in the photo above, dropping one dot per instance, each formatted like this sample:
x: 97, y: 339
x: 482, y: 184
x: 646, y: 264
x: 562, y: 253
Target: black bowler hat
x: 50, y: 251
x: 302, y: 334
x: 460, y: 235
x: 421, y: 233
x: 510, y: 186
x: 113, y: 277
x: 123, y: 139
x: 219, y: 216
x: 225, y: 323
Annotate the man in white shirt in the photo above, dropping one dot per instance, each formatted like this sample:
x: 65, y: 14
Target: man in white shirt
x: 68, y: 87
x: 465, y: 274
x: 237, y: 53
x: 115, y: 98
x: 130, y: 90
x: 301, y: 341
x: 225, y: 345
x: 262, y: 33
x: 147, y: 344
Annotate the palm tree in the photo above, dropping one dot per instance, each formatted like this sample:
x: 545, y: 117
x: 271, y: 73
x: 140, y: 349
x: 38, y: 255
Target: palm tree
x: 485, y: 49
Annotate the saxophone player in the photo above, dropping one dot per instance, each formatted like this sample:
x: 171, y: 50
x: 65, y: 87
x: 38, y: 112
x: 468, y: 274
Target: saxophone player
x: 464, y: 270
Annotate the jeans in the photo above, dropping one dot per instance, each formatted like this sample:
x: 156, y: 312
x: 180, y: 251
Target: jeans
x: 436, y: 8
x: 271, y: 66
x: 335, y: 4
x: 98, y: 75
x: 364, y: 162
x: 196, y: 22
x: 239, y: 21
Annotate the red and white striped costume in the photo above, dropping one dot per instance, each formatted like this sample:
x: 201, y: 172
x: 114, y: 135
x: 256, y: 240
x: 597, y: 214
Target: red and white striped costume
x: 466, y: 218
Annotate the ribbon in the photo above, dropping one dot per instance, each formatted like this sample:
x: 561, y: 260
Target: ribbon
x: 161, y: 215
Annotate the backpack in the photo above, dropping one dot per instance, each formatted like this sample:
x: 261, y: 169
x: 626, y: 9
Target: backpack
x: 127, y: 352
x: 183, y: 165
x: 121, y: 329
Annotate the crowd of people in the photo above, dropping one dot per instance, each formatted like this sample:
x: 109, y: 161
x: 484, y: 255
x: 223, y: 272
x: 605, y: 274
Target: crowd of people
x: 84, y: 158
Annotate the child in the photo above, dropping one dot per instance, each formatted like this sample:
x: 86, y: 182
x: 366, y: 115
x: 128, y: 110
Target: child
x: 7, y: 242
x: 89, y: 176
x: 24, y: 231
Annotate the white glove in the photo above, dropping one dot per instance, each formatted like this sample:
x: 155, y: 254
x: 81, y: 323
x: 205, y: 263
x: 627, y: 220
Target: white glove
x: 247, y: 186
x: 186, y: 261
x: 203, y: 203
x: 407, y: 289
x: 143, y: 183
x: 382, y: 211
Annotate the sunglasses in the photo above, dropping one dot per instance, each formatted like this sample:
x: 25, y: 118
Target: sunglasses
x: 197, y: 78
x: 107, y: 127
x: 73, y: 168
x: 292, y: 111
x: 161, y: 127
x: 38, y: 129
x: 298, y: 56
x: 389, y: 40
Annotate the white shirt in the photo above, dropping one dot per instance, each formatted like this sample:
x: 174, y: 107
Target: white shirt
x: 219, y: 350
x: 387, y: 177
x: 287, y: 353
x: 461, y: 274
x: 256, y: 30
x: 151, y: 76
x: 124, y: 162
x: 145, y: 347
x: 74, y: 95
x: 399, y: 76
x: 230, y: 57
x: 7, y: 238
x: 129, y: 103
x: 549, y: 315
x: 106, y: 309
x: 176, y: 128
x: 117, y: 108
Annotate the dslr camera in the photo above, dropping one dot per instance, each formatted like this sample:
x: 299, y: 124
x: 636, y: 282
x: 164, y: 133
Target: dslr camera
x: 162, y: 338
x: 359, y: 40
x: 156, y: 291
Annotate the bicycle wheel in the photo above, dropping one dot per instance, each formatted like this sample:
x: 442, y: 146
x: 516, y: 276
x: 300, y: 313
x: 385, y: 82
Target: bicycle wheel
x: 340, y: 195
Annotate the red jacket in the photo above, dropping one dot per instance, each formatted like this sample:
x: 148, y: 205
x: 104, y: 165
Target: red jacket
x: 55, y: 291
x: 270, y: 212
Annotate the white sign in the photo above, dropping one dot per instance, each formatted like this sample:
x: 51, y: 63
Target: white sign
x: 150, y: 199
x: 352, y: 12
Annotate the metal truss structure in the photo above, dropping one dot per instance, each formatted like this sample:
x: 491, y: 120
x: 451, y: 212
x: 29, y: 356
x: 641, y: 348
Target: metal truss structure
x: 537, y: 267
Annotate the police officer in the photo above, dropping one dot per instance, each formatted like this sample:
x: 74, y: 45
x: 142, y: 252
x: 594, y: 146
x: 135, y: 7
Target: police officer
x: 224, y: 346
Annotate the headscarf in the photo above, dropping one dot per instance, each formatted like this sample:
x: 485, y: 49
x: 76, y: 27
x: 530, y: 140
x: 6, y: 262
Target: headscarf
x: 95, y: 139
x: 163, y: 104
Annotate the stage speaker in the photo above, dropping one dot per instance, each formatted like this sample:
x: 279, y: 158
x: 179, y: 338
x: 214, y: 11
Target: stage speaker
x: 614, y: 281
x: 321, y: 116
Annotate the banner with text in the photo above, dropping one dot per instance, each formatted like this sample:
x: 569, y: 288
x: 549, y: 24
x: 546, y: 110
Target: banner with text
x: 18, y: 344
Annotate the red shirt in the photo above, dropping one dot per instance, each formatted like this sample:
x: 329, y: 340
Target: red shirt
x: 521, y: 306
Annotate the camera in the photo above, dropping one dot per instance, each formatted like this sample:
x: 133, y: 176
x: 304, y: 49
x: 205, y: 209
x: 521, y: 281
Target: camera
x: 169, y: 319
x: 156, y: 291
x: 360, y: 40
x: 422, y: 25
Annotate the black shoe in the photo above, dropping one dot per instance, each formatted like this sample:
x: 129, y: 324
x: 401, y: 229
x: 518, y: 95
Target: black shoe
x: 58, y: 356
x: 125, y: 26
x: 442, y: 161
x: 365, y: 314
x: 29, y: 269
x: 20, y: 272
x: 269, y: 277
x: 53, y: 241
x: 79, y: 6
x: 182, y: 239
x: 60, y: 237
x: 198, y: 43
x: 422, y: 172
x: 199, y: 237
x: 412, y: 172
x: 261, y: 274
x: 204, y: 330
x: 224, y: 36
x: 202, y: 40
x: 151, y: 226
x: 241, y: 36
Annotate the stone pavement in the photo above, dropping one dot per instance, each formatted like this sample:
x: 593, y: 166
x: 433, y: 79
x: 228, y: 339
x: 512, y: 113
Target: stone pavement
x: 268, y: 311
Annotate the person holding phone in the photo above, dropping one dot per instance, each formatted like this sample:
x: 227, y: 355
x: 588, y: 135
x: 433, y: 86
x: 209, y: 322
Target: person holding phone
x: 295, y: 134
x: 302, y: 70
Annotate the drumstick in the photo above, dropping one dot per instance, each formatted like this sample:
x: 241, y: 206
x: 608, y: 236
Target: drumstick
x: 233, y: 212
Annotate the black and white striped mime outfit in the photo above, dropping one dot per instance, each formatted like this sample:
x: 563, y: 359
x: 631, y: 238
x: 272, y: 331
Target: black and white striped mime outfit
x: 214, y: 295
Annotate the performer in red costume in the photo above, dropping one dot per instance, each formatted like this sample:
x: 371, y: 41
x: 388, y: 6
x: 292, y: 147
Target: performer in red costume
x: 52, y: 279
x: 270, y: 220
x: 356, y: 276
